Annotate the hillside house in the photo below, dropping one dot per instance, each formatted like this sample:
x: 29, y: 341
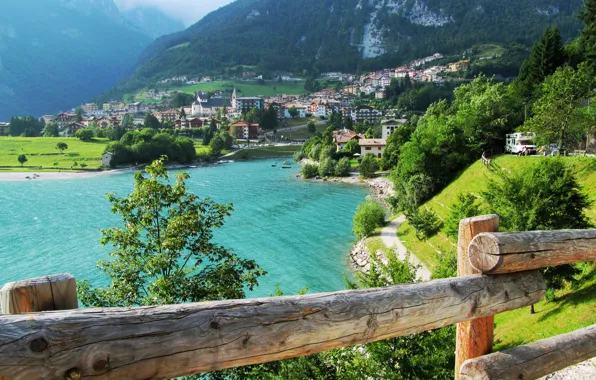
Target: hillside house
x: 245, y: 104
x: 301, y: 108
x: 459, y: 66
x: 244, y: 130
x: 89, y: 107
x: 362, y: 113
x: 64, y: 119
x: 170, y: 115
x: 372, y: 146
x: 343, y: 136
x: 186, y: 123
x: 390, y: 125
x: 70, y: 129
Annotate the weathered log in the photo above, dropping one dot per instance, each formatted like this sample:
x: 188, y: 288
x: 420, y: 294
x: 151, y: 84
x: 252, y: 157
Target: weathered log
x: 169, y: 341
x: 56, y: 292
x: 534, y: 360
x: 518, y: 251
x: 475, y: 337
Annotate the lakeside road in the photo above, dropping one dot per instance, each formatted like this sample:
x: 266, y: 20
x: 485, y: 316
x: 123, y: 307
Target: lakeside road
x: 390, y: 239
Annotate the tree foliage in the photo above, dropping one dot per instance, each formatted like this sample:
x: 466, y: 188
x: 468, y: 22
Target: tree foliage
x: 545, y: 196
x: 558, y: 116
x: 369, y: 166
x: 309, y: 171
x: 342, y: 168
x: 547, y: 55
x: 145, y: 146
x: 22, y: 159
x: 425, y: 222
x: 369, y: 216
x: 464, y: 207
x: 61, y: 146
x: 163, y: 253
x: 85, y: 134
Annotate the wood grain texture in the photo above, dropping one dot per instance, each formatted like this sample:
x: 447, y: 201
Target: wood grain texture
x: 169, y: 341
x: 534, y: 360
x: 474, y: 337
x: 518, y: 251
x: 56, y: 292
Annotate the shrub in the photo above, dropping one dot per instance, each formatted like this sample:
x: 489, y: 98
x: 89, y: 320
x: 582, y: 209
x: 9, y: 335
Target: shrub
x: 426, y: 223
x: 342, y: 169
x: 327, y: 151
x: 446, y: 265
x: 84, y: 134
x: 309, y: 170
x: 464, y: 207
x: 327, y: 167
x: 299, y: 156
x: 369, y: 216
x: 315, y: 152
x: 368, y: 166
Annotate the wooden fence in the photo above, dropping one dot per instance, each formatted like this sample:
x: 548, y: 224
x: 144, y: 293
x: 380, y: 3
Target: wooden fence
x: 162, y: 342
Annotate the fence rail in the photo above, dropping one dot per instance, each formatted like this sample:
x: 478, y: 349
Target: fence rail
x: 162, y: 342
x: 534, y: 360
x: 170, y: 341
x: 494, y: 253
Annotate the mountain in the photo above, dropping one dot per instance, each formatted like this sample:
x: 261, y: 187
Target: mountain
x: 152, y: 22
x: 345, y: 35
x: 56, y: 54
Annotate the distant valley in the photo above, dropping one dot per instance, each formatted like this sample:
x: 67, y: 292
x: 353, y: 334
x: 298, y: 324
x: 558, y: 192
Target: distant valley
x: 63, y: 52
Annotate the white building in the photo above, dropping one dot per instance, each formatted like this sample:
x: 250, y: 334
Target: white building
x: 390, y: 125
x: 106, y: 158
x: 372, y: 146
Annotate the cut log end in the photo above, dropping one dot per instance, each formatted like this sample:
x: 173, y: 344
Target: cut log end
x: 484, y: 253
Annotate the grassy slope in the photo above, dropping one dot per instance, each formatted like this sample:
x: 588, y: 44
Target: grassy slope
x: 41, y: 151
x: 574, y: 308
x: 270, y: 88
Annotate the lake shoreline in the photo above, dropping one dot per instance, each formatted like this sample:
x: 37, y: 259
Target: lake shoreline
x: 63, y: 175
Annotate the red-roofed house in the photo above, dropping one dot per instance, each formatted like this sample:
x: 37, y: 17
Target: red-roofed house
x: 245, y: 130
x: 343, y: 136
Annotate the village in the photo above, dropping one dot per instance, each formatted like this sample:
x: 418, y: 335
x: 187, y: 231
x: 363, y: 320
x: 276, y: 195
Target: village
x: 351, y: 100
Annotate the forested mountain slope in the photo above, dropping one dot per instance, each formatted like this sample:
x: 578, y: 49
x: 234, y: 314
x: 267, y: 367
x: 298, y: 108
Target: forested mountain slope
x: 56, y: 54
x: 346, y: 35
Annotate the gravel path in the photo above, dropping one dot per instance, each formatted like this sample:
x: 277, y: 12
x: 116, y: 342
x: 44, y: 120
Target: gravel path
x: 582, y: 371
x: 390, y: 239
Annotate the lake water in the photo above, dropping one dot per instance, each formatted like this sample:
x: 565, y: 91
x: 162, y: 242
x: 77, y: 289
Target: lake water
x: 299, y: 232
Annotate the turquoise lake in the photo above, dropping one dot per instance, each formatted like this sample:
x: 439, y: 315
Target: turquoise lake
x: 299, y: 232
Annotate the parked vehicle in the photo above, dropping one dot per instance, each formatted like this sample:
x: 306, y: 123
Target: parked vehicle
x: 520, y: 142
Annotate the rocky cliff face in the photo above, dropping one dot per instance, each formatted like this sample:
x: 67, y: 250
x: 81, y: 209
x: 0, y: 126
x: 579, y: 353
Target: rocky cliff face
x: 344, y: 35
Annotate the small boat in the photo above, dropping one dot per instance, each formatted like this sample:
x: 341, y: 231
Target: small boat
x: 286, y: 165
x: 273, y: 165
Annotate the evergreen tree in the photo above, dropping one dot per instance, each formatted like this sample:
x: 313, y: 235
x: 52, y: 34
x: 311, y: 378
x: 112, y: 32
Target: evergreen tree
x: 588, y: 36
x: 547, y: 55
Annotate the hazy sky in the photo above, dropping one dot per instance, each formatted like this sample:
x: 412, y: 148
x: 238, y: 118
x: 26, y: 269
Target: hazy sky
x: 187, y: 11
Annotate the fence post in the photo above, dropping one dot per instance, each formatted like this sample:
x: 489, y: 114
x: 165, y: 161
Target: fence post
x: 475, y: 337
x: 56, y: 292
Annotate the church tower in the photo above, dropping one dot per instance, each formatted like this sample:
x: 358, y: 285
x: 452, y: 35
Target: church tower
x: 234, y: 97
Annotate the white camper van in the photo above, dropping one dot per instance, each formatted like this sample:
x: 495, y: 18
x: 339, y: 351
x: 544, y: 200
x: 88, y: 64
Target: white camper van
x: 515, y: 143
